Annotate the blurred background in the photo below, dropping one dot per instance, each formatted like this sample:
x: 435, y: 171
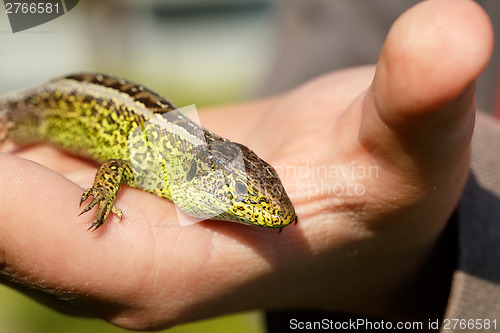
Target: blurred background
x: 201, y: 52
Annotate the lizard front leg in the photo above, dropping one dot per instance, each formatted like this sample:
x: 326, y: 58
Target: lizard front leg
x: 106, y: 185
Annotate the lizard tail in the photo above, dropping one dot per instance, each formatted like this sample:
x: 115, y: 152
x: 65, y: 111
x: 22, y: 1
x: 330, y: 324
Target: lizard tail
x: 17, y: 119
x: 5, y: 122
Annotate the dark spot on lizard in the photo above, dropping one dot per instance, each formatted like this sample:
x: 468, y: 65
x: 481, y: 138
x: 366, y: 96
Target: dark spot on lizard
x: 192, y: 171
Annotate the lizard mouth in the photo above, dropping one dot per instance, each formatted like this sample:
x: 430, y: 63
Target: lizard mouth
x: 259, y: 216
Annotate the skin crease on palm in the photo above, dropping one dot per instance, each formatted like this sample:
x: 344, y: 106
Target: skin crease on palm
x: 412, y: 121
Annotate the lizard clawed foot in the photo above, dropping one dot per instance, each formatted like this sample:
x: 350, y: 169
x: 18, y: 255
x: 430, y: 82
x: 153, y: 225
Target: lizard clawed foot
x: 105, y: 206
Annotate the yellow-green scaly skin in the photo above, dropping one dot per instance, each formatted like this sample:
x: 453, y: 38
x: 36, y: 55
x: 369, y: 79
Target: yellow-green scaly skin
x: 116, y: 122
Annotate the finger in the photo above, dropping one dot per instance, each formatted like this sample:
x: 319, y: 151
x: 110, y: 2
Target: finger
x: 54, y: 158
x: 39, y: 224
x: 419, y: 111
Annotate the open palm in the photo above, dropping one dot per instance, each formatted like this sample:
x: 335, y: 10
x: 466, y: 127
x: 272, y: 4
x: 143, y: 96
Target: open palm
x: 374, y: 162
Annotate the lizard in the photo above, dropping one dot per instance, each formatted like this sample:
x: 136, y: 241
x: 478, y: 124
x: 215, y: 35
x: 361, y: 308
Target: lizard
x: 143, y: 141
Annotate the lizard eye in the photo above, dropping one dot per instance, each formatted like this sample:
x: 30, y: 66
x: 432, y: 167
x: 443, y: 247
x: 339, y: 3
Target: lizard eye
x: 241, y: 188
x: 192, y: 171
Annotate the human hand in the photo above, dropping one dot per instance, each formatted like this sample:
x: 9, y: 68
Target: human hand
x: 349, y: 252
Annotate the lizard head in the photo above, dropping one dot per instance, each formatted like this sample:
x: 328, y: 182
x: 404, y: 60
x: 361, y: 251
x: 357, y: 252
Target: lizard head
x: 227, y: 181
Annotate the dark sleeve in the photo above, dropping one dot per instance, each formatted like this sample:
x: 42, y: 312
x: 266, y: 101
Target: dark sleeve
x: 475, y: 291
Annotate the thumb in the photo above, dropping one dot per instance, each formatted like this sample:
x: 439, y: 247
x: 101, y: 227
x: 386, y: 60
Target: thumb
x: 419, y: 112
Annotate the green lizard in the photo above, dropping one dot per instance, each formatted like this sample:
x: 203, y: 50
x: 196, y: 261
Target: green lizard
x: 142, y: 141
